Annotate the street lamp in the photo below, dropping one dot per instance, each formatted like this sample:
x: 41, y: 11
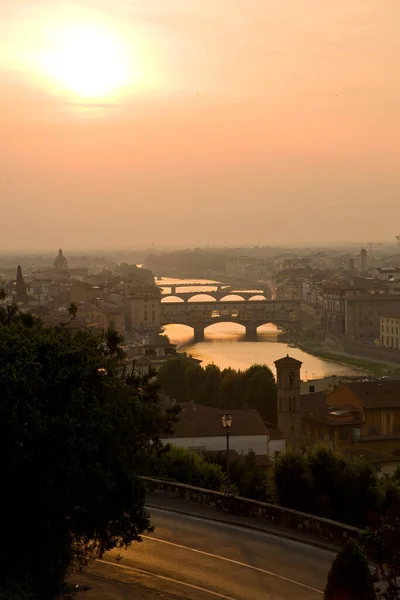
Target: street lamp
x: 227, y: 423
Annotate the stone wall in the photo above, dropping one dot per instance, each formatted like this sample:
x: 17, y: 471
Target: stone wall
x: 321, y: 528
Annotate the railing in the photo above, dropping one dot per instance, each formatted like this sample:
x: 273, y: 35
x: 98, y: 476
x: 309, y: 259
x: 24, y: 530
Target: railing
x: 324, y: 529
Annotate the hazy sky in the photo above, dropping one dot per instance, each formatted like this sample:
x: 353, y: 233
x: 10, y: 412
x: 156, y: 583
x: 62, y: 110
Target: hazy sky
x: 191, y: 121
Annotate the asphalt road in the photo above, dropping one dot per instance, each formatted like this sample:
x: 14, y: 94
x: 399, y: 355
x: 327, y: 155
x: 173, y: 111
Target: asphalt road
x: 200, y: 560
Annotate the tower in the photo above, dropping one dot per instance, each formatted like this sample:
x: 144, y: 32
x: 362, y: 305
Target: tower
x: 60, y: 262
x: 363, y: 260
x: 22, y: 295
x: 289, y: 414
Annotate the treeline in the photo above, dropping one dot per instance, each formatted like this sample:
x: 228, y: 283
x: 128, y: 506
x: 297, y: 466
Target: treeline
x: 184, y: 380
x: 320, y: 481
x: 329, y: 484
x: 193, y: 262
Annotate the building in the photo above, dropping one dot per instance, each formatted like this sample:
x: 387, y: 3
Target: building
x: 363, y: 316
x: 143, y: 303
x: 336, y: 298
x: 363, y: 260
x: 152, y: 356
x: 60, y: 262
x: 362, y: 417
x: 200, y: 428
x: 247, y: 267
x: 387, y: 273
x: 390, y: 330
x: 288, y: 400
x: 328, y: 384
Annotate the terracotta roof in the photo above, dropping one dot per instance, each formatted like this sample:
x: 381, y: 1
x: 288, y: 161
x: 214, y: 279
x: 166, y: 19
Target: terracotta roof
x: 315, y: 407
x: 287, y: 361
x: 372, y: 456
x: 391, y: 315
x: 196, y: 420
x: 274, y: 432
x: 376, y: 394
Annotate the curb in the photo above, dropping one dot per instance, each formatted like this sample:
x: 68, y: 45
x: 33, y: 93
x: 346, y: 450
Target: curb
x: 237, y: 523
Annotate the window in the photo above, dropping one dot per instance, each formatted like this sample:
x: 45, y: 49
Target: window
x: 292, y: 404
x: 311, y: 388
x: 356, y: 434
x: 344, y: 434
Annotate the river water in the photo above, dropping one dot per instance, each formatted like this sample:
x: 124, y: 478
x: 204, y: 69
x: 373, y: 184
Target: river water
x: 225, y: 344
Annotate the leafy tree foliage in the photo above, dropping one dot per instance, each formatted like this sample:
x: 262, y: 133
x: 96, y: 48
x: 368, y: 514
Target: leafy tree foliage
x: 328, y: 484
x: 184, y: 380
x: 291, y: 481
x: 349, y: 577
x: 76, y: 429
x: 185, y: 466
x: 249, y: 479
x: 382, y: 545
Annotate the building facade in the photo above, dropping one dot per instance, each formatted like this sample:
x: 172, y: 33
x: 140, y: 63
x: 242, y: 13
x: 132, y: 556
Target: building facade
x: 390, y: 331
x: 143, y: 300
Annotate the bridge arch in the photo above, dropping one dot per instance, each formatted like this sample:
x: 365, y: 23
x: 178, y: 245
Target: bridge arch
x: 171, y: 298
x: 202, y: 297
x: 232, y: 298
x: 257, y: 297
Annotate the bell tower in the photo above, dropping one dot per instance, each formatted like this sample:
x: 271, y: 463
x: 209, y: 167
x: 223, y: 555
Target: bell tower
x: 289, y: 413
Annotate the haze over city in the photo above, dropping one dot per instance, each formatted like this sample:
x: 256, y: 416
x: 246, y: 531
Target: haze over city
x: 192, y: 122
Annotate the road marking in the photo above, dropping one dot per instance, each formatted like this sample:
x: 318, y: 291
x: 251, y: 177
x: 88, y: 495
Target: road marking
x: 143, y: 572
x: 243, y: 529
x: 235, y: 562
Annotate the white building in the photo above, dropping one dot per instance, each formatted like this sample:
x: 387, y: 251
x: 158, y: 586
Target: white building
x: 390, y: 331
x: 200, y: 428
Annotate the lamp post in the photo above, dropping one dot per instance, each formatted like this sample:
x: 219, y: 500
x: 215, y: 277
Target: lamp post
x: 227, y: 423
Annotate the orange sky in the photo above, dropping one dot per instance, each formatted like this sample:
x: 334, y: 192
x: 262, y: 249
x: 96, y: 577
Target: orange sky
x: 233, y: 121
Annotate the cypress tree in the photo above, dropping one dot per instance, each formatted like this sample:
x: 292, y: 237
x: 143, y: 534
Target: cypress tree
x: 349, y: 577
x: 22, y: 295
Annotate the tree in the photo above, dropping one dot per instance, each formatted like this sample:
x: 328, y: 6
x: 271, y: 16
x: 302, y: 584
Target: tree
x: 382, y: 545
x: 292, y: 482
x: 186, y: 466
x: 261, y: 391
x: 76, y: 429
x: 22, y: 295
x: 338, y: 477
x: 349, y: 577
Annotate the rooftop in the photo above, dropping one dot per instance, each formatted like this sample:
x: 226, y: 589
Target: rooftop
x: 315, y: 407
x: 287, y: 361
x: 391, y: 314
x: 375, y: 394
x: 196, y: 420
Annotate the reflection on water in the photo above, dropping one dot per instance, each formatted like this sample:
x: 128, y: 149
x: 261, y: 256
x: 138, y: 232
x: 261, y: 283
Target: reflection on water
x: 225, y: 343
x: 225, y: 346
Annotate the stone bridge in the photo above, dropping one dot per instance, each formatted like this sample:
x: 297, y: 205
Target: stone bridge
x: 219, y: 292
x: 250, y: 314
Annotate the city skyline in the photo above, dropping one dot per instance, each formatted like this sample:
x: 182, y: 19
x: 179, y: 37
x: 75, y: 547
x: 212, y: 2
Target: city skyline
x: 199, y: 123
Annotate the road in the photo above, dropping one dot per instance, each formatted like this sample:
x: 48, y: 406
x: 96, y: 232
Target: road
x: 193, y: 558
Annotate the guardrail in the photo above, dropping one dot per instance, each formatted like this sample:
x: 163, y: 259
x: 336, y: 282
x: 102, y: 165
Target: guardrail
x: 324, y: 529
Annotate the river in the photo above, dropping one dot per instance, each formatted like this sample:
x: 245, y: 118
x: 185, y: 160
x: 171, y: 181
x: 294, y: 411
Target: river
x: 225, y: 343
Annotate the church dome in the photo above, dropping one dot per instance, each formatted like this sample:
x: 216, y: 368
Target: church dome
x: 60, y: 262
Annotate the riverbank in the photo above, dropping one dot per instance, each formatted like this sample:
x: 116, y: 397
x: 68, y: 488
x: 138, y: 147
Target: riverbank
x: 374, y: 366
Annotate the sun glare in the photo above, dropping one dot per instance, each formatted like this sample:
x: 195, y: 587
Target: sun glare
x: 89, y: 61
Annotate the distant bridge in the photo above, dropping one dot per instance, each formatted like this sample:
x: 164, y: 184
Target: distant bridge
x: 250, y: 314
x: 219, y: 293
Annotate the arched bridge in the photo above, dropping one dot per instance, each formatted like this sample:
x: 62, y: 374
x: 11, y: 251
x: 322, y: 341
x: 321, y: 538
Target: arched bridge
x: 218, y: 294
x: 250, y: 314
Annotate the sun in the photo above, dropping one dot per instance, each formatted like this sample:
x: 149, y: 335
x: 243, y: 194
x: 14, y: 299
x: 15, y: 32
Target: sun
x: 89, y: 61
